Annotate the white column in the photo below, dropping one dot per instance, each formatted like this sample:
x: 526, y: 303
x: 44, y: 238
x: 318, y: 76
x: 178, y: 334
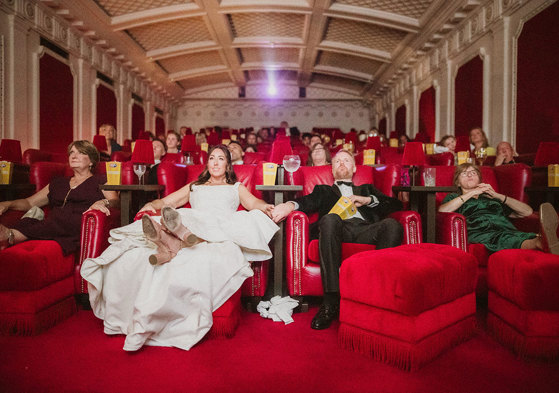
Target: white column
x: 85, y: 99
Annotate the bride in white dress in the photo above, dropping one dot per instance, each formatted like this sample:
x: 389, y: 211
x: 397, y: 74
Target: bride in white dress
x: 171, y: 304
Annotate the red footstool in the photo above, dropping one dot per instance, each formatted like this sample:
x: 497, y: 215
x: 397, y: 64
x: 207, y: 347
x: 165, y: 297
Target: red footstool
x: 36, y: 287
x: 406, y: 305
x: 524, y: 302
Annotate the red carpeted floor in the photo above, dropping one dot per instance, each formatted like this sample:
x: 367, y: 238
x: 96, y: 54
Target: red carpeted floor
x: 264, y: 356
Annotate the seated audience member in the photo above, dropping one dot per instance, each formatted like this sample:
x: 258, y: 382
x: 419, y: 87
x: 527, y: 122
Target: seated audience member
x: 487, y: 215
x: 402, y: 140
x: 264, y: 133
x: 69, y: 198
x: 478, y: 140
x: 199, y: 260
x: 237, y: 152
x: 250, y: 149
x: 319, y: 155
x: 505, y: 154
x: 251, y: 141
x: 306, y: 138
x: 109, y: 132
x: 315, y: 139
x: 447, y: 143
x: 159, y: 151
x: 182, y: 131
x: 172, y: 142
x: 201, y: 138
x: 368, y: 225
x: 362, y: 136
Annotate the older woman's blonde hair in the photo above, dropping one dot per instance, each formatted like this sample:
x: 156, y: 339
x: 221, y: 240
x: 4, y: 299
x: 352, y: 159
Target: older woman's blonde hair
x: 463, y: 168
x: 88, y: 148
x: 485, y: 141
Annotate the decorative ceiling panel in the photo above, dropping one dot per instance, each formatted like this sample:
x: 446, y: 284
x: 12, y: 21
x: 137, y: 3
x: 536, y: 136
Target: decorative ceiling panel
x: 337, y: 81
x: 121, y: 7
x: 363, y: 34
x: 192, y: 61
x: 207, y: 80
x: 353, y: 63
x: 270, y: 55
x: 174, y: 32
x: 410, y: 8
x: 278, y: 76
x: 273, y: 24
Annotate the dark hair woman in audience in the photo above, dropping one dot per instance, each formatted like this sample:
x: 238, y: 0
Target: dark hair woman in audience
x: 69, y: 198
x: 478, y: 140
x: 198, y: 258
x: 487, y: 214
x: 319, y: 155
x: 173, y: 141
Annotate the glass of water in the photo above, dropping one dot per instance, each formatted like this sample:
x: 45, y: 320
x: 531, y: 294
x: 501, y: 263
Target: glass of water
x: 139, y: 170
x: 291, y: 163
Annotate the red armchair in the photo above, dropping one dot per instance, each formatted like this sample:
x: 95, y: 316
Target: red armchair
x: 38, y: 282
x: 451, y: 227
x: 175, y: 176
x: 302, y: 260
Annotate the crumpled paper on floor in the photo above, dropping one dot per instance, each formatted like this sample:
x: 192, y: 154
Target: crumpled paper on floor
x: 278, y: 309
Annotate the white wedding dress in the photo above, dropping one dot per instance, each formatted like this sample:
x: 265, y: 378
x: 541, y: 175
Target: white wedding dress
x: 172, y: 304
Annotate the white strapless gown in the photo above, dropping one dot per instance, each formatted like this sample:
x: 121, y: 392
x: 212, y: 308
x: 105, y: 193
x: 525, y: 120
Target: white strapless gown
x: 172, y: 304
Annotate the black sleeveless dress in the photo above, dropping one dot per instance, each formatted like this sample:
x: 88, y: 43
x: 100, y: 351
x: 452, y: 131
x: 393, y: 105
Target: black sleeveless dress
x: 63, y: 221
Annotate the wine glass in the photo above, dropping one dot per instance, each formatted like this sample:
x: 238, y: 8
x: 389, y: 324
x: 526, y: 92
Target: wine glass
x: 291, y: 163
x: 139, y: 170
x: 481, y: 155
x: 188, y: 159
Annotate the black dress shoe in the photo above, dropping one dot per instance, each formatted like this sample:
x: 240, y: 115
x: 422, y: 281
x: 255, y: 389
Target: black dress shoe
x: 325, y: 315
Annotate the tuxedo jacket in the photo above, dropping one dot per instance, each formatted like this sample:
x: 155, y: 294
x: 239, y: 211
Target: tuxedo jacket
x: 324, y: 197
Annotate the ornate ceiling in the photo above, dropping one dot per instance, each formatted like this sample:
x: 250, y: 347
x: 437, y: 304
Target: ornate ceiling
x: 183, y: 47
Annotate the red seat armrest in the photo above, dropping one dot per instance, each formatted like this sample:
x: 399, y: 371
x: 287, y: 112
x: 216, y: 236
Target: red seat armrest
x: 451, y: 230
x: 411, y: 222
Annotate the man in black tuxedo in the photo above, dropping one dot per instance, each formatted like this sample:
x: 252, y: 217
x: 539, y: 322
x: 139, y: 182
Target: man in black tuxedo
x: 369, y: 225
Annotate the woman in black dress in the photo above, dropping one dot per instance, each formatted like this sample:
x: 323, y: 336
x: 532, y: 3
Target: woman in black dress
x: 68, y: 198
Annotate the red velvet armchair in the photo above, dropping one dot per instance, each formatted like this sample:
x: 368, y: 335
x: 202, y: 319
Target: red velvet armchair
x: 175, y: 176
x: 38, y: 282
x: 451, y: 227
x: 302, y: 257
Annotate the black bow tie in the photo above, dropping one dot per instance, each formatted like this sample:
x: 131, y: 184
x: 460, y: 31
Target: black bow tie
x: 345, y: 183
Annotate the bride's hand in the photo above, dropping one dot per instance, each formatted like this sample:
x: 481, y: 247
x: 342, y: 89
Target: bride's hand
x: 148, y: 207
x: 268, y: 209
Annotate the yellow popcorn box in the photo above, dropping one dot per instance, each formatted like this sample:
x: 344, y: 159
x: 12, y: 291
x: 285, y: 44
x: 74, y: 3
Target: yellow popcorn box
x: 270, y: 170
x: 463, y: 157
x: 348, y: 146
x: 113, y: 172
x: 225, y: 141
x: 339, y: 142
x: 344, y: 208
x: 393, y: 142
x: 7, y: 169
x: 204, y: 146
x: 132, y: 146
x: 553, y: 175
x: 233, y: 137
x: 490, y: 151
x: 369, y: 157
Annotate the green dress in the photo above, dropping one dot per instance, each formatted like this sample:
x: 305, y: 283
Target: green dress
x: 488, y: 224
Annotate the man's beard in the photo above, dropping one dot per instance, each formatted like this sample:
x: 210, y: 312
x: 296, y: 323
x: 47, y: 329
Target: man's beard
x: 343, y: 173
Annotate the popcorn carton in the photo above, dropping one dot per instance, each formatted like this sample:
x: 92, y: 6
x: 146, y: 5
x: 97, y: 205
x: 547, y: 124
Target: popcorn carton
x: 204, y: 146
x: 393, y: 142
x: 113, y: 172
x: 463, y: 157
x: 344, y: 208
x: 6, y: 168
x: 339, y: 142
x: 225, y: 141
x: 369, y: 157
x: 553, y: 175
x: 429, y: 148
x: 270, y: 170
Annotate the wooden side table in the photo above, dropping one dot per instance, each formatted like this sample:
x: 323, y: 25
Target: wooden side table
x: 126, y: 191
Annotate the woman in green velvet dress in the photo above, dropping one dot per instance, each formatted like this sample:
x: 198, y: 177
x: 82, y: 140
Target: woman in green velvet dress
x: 487, y: 212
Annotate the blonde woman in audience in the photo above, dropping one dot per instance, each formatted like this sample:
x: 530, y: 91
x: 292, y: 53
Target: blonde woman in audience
x: 478, y: 140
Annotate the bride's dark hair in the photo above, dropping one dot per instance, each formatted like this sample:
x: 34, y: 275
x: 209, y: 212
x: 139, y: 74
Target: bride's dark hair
x: 230, y: 176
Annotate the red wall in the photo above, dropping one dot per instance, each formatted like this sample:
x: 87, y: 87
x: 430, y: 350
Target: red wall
x: 427, y: 121
x: 106, y: 106
x: 468, y: 97
x: 401, y: 120
x: 138, y: 120
x: 159, y: 126
x: 537, y: 107
x: 382, y: 126
x: 56, y: 105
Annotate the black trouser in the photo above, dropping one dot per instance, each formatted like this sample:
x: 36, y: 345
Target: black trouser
x: 333, y: 231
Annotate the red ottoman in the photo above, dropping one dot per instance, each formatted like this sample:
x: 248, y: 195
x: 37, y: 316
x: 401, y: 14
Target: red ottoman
x: 36, y: 287
x: 406, y: 305
x: 524, y: 302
